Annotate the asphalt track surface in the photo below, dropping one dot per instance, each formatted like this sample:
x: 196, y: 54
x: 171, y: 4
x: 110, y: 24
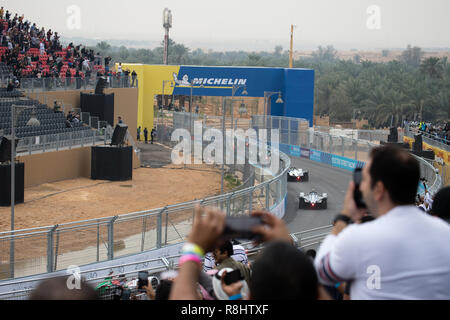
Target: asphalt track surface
x: 324, y: 179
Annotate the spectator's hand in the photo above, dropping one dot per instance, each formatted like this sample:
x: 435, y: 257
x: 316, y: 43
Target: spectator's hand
x: 150, y: 292
x: 349, y: 208
x: 273, y: 228
x: 231, y: 289
x: 207, y: 228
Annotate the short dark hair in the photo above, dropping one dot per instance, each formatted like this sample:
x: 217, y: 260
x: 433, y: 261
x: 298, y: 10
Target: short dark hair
x: 441, y: 204
x: 57, y: 289
x: 282, y: 272
x: 226, y: 246
x: 399, y: 172
x: 163, y: 290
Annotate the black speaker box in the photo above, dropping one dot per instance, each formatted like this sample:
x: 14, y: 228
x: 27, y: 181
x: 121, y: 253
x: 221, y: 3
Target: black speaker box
x: 119, y: 135
x: 98, y: 105
x: 427, y: 154
x: 5, y: 184
x: 5, y: 149
x: 417, y: 145
x: 112, y: 163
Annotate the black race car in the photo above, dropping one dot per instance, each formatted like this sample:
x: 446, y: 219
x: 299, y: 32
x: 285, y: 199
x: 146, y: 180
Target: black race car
x: 312, y: 200
x: 299, y: 175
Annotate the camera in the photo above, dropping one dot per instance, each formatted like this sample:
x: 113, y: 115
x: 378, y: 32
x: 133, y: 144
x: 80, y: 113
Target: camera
x: 241, y: 228
x: 231, y: 277
x: 357, y: 195
x: 142, y: 279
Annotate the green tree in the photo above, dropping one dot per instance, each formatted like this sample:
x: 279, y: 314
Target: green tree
x: 433, y: 67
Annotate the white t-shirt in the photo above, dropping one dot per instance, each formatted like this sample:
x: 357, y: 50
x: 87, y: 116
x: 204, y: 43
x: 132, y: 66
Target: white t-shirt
x: 404, y: 254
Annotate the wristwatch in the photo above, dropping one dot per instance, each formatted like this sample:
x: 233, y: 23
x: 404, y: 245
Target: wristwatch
x: 342, y: 217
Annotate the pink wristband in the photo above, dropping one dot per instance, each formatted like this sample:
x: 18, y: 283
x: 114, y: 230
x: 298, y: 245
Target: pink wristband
x: 189, y: 257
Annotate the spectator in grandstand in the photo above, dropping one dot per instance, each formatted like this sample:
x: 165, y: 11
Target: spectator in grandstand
x: 441, y: 204
x: 69, y: 116
x: 10, y: 86
x: 119, y: 119
x: 404, y: 253
x: 139, y: 133
x: 2, y: 11
x: 58, y: 289
x: 295, y: 278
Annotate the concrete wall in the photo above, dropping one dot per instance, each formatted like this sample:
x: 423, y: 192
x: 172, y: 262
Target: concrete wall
x: 56, y: 166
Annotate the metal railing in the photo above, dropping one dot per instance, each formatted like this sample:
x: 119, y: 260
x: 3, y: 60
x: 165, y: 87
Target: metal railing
x: 428, y: 138
x: 57, y: 84
x: 52, y: 248
x: 303, y: 240
x: 62, y: 141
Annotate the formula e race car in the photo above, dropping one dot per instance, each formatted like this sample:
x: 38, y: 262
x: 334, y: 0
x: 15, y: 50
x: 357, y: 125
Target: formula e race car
x: 299, y: 175
x: 312, y: 200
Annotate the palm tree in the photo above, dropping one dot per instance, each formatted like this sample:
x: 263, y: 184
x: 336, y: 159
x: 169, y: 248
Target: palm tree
x: 432, y: 67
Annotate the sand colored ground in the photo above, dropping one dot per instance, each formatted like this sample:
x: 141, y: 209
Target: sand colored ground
x: 81, y: 199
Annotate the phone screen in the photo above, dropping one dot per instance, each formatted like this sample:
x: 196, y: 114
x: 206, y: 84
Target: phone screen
x: 241, y: 227
x: 357, y: 195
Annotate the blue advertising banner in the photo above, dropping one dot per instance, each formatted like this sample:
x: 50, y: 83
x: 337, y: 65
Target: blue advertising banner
x: 304, y: 153
x: 295, y: 151
x: 343, y: 163
x: 325, y: 158
x: 315, y: 155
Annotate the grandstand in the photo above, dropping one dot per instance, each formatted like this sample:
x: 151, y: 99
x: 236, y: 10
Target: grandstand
x: 50, y: 122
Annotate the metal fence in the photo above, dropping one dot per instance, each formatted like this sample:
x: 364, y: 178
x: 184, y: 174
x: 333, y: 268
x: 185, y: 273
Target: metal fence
x: 56, y: 84
x: 303, y: 240
x: 52, y: 248
x: 428, y: 138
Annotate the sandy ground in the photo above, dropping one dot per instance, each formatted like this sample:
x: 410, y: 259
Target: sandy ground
x: 80, y: 199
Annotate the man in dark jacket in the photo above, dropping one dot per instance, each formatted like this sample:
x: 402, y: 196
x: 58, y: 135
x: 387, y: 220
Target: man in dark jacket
x: 146, y: 135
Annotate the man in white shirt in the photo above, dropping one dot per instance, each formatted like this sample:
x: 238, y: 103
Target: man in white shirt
x: 404, y: 253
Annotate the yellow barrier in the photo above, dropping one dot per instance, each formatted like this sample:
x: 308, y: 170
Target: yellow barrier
x: 444, y: 155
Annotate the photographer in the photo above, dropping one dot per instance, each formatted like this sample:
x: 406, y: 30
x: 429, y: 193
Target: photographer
x: 404, y: 253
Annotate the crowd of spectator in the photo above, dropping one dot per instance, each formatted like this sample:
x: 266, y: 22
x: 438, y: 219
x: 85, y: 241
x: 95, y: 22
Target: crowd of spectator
x: 38, y: 53
x: 438, y: 132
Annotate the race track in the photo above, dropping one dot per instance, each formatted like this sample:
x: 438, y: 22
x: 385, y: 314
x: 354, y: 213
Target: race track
x: 323, y: 178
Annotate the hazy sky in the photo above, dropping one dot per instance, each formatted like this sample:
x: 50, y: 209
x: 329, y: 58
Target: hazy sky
x: 252, y: 24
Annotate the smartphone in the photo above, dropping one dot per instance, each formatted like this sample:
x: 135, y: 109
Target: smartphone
x: 142, y: 279
x: 241, y: 228
x: 357, y: 195
x: 233, y: 276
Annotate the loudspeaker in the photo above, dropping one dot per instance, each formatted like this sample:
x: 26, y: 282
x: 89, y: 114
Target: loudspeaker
x: 98, y: 105
x: 417, y: 145
x: 101, y: 85
x: 120, y: 132
x: 114, y: 164
x: 5, y: 184
x: 393, y: 136
x: 428, y: 154
x: 6, y: 149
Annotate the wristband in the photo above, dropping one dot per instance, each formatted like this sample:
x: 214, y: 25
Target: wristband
x: 236, y: 297
x: 189, y: 257
x: 193, y: 248
x: 344, y: 218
